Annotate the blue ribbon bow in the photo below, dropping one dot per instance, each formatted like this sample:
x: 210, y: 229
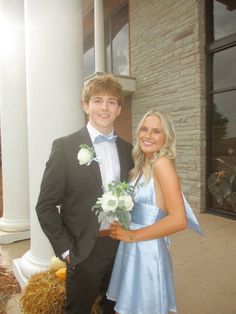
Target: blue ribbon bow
x: 105, y: 138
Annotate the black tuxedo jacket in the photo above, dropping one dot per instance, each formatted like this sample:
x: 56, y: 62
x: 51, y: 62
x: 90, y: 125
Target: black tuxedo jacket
x: 68, y: 192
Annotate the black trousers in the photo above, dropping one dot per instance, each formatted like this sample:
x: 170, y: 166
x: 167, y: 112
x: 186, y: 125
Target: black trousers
x: 91, y: 277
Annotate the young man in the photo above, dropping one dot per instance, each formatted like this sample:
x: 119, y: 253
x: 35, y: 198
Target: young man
x: 74, y: 187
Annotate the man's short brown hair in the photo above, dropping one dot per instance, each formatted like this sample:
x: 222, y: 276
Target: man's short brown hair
x: 102, y: 84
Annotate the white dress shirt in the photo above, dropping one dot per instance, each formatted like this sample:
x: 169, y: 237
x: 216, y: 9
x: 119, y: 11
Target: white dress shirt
x: 108, y: 158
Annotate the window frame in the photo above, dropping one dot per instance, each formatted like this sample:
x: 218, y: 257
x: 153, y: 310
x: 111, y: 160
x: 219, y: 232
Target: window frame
x: 212, y: 47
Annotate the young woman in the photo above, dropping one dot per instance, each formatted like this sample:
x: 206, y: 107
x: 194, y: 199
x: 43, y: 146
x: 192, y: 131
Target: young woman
x: 142, y: 281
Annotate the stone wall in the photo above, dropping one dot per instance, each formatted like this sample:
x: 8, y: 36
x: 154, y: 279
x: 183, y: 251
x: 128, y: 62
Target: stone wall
x: 167, y: 59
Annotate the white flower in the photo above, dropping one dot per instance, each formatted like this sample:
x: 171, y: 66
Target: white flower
x: 85, y: 155
x: 126, y: 201
x: 108, y: 202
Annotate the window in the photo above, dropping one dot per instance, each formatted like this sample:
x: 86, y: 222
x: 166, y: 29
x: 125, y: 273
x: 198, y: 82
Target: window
x: 116, y: 41
x: 88, y: 29
x: 116, y: 38
x: 221, y: 117
x: 224, y: 18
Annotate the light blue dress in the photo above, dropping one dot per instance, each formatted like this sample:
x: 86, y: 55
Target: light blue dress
x: 142, y: 277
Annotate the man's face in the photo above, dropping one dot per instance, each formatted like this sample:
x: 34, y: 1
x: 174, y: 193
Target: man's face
x: 102, y: 110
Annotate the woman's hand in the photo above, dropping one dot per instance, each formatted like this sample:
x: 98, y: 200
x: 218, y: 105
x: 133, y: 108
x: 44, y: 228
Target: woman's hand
x: 118, y: 233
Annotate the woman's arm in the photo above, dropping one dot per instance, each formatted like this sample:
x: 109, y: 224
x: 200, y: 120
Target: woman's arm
x: 166, y: 176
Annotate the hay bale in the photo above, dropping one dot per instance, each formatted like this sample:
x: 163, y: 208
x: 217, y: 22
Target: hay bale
x: 45, y: 294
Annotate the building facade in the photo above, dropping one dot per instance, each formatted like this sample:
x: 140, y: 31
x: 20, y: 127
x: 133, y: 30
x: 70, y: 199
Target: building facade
x: 182, y: 56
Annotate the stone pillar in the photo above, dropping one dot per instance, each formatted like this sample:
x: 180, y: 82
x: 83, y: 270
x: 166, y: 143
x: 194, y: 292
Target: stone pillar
x: 54, y: 79
x: 99, y: 44
x: 14, y: 224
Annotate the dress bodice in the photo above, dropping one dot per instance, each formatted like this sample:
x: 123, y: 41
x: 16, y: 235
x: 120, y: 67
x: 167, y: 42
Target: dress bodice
x: 144, y: 193
x: 145, y: 211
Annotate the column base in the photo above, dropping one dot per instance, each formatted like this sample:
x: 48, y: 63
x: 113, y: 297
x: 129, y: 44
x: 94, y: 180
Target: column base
x: 30, y: 264
x: 13, y: 225
x: 10, y: 237
x: 22, y: 280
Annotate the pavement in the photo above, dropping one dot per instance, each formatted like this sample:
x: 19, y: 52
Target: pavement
x: 204, y: 267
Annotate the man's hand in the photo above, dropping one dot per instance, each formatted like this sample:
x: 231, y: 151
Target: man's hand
x: 67, y: 258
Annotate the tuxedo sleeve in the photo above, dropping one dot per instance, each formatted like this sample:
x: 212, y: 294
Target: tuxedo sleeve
x: 51, y: 197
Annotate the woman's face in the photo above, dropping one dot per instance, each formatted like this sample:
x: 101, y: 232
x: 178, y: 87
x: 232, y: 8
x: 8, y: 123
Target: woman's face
x: 151, y: 137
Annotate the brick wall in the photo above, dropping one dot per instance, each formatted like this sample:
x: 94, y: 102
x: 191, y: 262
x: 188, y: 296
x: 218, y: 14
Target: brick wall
x: 168, y: 62
x: 123, y: 124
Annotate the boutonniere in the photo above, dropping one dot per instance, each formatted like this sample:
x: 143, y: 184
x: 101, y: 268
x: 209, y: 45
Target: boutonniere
x: 86, y: 155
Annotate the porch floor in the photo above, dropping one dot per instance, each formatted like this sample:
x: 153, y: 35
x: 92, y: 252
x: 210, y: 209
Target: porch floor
x: 204, y: 267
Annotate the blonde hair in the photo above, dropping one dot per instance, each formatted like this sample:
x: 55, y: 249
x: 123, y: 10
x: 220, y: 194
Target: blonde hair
x: 102, y: 84
x: 168, y: 149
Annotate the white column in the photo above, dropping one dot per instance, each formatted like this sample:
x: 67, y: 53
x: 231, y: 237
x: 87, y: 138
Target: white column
x: 14, y: 224
x: 99, y: 44
x: 54, y: 79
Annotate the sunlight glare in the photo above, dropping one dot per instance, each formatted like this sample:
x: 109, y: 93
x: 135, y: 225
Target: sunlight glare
x: 10, y: 37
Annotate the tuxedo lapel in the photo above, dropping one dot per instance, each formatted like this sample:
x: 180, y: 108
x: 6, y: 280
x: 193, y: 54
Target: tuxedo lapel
x: 123, y: 161
x: 84, y: 138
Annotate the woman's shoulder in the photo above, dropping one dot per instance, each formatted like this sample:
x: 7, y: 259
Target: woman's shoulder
x: 164, y: 161
x: 165, y: 170
x: 164, y: 167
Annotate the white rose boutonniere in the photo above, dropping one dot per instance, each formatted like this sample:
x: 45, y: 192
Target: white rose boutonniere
x: 86, y: 155
x: 115, y: 204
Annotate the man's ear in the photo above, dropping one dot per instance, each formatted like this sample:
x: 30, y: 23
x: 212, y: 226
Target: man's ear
x: 86, y: 107
x: 119, y: 110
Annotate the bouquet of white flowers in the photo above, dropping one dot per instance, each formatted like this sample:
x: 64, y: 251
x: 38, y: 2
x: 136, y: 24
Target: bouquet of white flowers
x: 115, y: 204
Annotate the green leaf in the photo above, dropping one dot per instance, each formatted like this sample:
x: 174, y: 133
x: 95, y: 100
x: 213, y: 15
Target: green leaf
x: 89, y: 148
